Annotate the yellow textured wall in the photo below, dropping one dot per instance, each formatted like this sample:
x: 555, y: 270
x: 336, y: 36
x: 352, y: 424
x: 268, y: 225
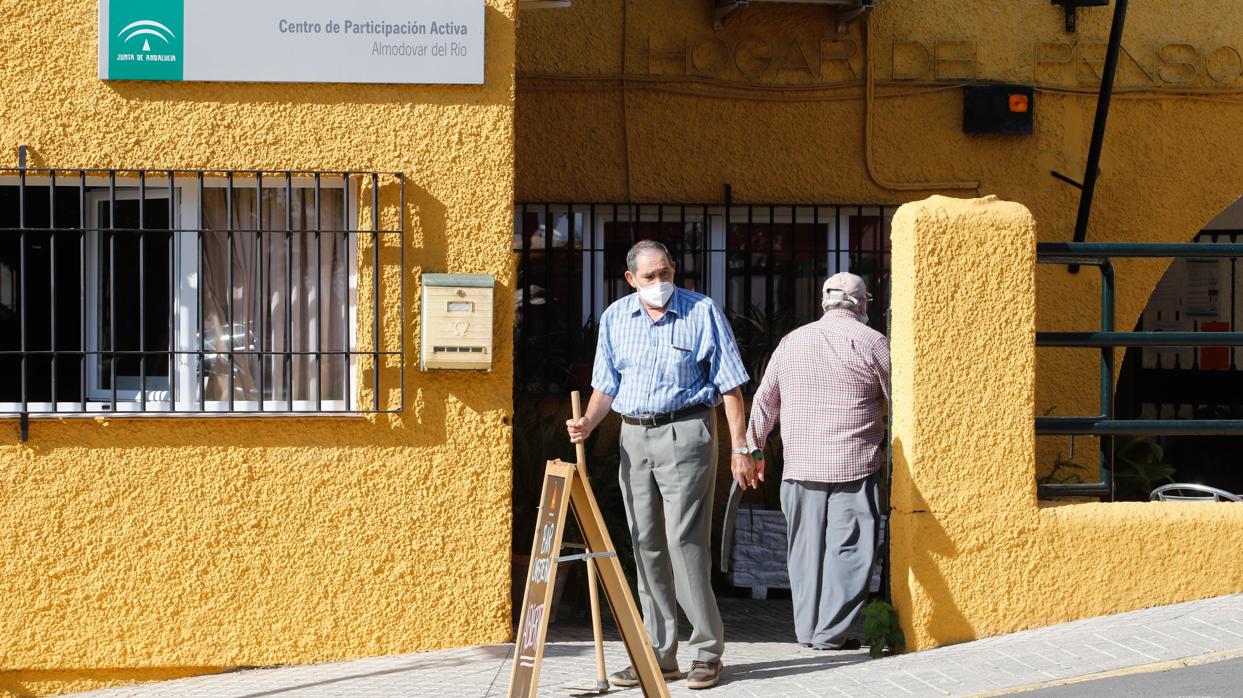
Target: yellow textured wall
x: 972, y: 552
x: 137, y: 549
x: 607, y: 112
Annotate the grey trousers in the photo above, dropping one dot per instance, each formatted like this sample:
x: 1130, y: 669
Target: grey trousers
x: 668, y: 475
x: 832, y: 544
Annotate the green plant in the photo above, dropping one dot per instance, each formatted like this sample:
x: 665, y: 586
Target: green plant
x: 585, y: 342
x: 757, y: 333
x: 880, y: 625
x: 1139, y: 466
x: 578, y: 372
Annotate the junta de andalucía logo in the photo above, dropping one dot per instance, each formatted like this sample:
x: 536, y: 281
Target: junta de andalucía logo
x: 147, y: 38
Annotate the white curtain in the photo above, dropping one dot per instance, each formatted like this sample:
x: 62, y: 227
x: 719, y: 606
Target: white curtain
x: 289, y: 293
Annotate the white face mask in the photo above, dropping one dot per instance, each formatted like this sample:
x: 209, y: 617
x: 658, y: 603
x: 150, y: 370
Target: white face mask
x: 656, y: 295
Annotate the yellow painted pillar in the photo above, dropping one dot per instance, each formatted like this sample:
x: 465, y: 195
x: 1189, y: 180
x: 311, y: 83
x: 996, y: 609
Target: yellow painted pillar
x: 963, y: 346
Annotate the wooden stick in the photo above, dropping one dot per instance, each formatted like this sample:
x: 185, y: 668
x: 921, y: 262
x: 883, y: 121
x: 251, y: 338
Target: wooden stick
x: 602, y: 682
x: 580, y: 450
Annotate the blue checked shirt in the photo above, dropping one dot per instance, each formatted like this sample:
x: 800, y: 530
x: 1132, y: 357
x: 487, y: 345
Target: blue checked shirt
x: 686, y: 358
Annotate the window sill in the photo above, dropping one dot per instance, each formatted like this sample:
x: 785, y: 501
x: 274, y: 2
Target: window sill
x: 134, y: 410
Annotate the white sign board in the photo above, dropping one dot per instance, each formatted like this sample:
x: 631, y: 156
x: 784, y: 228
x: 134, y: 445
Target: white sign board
x: 362, y: 41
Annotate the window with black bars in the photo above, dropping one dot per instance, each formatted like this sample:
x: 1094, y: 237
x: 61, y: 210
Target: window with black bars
x: 212, y: 291
x: 763, y: 264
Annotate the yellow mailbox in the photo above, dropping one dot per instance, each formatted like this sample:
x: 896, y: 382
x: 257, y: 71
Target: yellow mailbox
x: 456, y: 321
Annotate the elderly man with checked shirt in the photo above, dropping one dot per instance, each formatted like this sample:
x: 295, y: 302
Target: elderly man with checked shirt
x: 665, y: 358
x: 827, y: 384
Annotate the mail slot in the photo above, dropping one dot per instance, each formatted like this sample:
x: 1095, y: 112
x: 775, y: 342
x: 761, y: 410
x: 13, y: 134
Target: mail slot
x: 456, y: 321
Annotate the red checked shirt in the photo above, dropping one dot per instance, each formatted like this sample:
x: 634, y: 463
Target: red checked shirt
x: 827, y: 384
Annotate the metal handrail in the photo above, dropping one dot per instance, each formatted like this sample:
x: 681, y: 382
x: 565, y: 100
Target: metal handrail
x: 1098, y: 426
x: 1099, y: 250
x: 1103, y: 425
x: 1139, y: 339
x: 1073, y: 255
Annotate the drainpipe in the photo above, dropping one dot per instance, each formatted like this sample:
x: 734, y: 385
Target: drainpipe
x: 1098, y: 127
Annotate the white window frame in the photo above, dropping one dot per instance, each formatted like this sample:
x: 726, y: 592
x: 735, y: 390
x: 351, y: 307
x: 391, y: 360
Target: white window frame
x: 185, y: 310
x: 127, y: 387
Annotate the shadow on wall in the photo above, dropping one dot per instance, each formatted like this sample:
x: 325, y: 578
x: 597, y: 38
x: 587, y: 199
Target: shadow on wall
x: 427, y: 394
x: 926, y: 547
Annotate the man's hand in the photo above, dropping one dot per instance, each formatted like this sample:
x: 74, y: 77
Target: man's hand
x: 579, y: 429
x: 744, y: 470
x: 597, y: 409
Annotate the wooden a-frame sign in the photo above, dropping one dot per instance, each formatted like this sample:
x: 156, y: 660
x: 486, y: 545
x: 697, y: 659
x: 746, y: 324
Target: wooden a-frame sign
x: 561, y: 478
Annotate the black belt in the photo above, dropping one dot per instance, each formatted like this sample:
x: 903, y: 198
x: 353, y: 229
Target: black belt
x: 657, y: 420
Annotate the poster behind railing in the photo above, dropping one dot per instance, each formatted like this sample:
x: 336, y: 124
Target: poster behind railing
x: 1166, y: 312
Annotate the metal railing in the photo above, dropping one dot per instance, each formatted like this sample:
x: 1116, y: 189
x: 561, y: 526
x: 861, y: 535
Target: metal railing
x: 1107, y: 339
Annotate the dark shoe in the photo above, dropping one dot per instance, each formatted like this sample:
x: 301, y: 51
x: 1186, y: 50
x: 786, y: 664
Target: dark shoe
x: 629, y: 677
x: 846, y: 645
x: 703, y: 674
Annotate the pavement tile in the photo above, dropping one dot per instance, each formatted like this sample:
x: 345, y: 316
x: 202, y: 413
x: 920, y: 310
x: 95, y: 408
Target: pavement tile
x: 761, y: 660
x: 1171, y: 635
x: 1219, y: 627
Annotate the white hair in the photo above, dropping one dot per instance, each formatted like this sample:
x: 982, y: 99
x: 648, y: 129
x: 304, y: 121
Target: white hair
x: 840, y: 299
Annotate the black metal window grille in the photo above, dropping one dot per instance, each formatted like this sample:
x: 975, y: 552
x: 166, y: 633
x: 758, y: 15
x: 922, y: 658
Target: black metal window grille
x: 201, y: 292
x: 764, y: 265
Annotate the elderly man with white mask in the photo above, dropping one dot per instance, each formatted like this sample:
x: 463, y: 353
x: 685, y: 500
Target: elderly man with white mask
x: 665, y: 358
x: 827, y: 384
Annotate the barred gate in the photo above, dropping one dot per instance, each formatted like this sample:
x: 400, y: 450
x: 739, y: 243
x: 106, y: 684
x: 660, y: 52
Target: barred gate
x: 762, y: 264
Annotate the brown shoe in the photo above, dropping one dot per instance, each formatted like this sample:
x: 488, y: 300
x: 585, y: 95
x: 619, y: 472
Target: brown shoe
x: 629, y: 677
x: 704, y: 674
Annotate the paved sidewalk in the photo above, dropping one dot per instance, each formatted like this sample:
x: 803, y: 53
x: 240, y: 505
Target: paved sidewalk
x: 762, y: 661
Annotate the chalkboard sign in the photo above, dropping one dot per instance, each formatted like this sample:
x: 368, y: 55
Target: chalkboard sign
x: 566, y: 488
x: 542, y: 573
